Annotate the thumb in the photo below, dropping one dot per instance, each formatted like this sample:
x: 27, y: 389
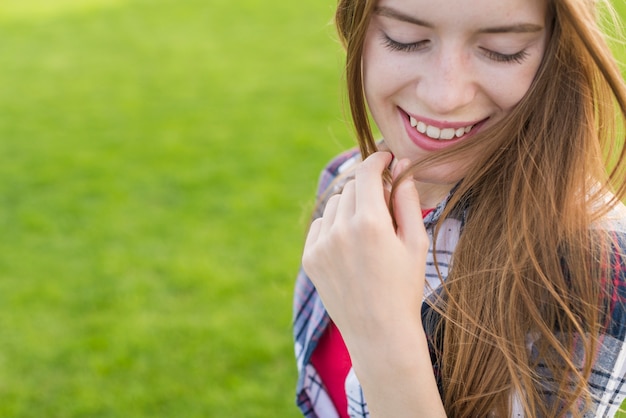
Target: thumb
x: 407, y: 210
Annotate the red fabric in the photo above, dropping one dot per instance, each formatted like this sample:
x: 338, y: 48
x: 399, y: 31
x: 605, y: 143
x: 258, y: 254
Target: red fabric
x: 426, y: 212
x: 332, y: 362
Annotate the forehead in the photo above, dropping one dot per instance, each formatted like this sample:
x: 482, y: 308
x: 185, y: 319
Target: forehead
x: 470, y: 13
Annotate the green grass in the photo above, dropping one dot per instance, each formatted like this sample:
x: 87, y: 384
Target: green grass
x: 158, y: 159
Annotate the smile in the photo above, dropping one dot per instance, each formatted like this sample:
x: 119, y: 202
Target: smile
x: 434, y: 132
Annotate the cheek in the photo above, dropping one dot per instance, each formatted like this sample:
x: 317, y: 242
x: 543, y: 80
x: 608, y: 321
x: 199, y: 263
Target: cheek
x: 507, y: 92
x: 379, y: 84
x: 385, y: 79
x: 384, y: 73
x: 507, y: 86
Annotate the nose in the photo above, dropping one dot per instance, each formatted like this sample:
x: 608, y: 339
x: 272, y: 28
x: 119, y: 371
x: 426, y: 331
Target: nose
x: 447, y: 84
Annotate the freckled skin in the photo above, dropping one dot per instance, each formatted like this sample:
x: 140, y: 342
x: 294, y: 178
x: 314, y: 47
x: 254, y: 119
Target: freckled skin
x: 456, y: 75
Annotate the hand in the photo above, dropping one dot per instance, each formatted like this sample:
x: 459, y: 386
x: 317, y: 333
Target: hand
x: 370, y: 277
x: 369, y: 274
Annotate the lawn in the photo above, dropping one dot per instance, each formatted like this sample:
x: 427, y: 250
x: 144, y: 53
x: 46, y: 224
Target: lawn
x: 158, y: 160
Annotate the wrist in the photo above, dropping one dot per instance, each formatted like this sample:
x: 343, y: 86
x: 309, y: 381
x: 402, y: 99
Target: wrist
x: 396, y: 374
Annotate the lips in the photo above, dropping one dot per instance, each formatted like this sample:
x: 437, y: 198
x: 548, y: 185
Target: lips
x: 431, y: 135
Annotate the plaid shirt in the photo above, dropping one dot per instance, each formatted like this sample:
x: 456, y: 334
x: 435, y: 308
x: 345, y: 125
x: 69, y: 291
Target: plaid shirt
x: 608, y: 378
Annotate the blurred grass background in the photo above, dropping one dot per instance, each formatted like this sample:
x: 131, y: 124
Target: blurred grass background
x: 158, y: 161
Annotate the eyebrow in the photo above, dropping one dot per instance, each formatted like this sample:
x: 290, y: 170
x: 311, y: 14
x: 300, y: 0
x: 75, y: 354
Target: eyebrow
x: 513, y: 28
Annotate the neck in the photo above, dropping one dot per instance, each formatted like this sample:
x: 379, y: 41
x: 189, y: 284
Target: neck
x: 431, y: 194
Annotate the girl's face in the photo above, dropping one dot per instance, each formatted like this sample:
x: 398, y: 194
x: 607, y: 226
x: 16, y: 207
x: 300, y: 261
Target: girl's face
x: 437, y: 72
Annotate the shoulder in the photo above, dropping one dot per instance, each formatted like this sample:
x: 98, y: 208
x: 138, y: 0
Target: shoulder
x: 336, y: 168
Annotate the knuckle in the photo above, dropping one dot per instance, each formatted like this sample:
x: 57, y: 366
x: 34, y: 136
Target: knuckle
x: 339, y: 232
x: 315, y: 225
x: 310, y: 261
x: 331, y: 204
x: 333, y: 201
x: 368, y: 222
x: 307, y: 261
x: 362, y: 168
x: 350, y: 184
x: 365, y: 165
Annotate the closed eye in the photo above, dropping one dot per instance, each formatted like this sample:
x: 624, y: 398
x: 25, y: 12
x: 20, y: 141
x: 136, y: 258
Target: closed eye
x: 399, y: 46
x: 518, y: 57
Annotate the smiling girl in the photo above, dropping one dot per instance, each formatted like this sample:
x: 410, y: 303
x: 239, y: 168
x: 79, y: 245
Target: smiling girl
x: 472, y: 262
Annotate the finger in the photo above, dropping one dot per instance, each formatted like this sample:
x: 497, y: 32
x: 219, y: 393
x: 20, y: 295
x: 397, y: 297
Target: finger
x: 398, y: 167
x: 410, y: 225
x: 369, y: 187
x: 313, y: 234
x: 330, y: 211
x: 387, y: 185
x: 347, y: 203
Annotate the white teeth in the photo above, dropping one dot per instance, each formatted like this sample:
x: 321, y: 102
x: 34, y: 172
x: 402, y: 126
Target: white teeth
x: 433, y: 132
x: 447, y: 133
x: 437, y: 133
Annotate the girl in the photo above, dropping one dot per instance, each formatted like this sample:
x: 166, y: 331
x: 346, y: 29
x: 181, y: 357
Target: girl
x: 472, y: 262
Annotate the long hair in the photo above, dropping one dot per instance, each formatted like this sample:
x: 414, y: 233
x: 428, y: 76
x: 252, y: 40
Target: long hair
x: 528, y: 268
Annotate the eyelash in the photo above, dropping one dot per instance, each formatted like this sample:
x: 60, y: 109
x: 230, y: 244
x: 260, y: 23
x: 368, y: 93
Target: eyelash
x: 398, y: 46
x: 518, y: 57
